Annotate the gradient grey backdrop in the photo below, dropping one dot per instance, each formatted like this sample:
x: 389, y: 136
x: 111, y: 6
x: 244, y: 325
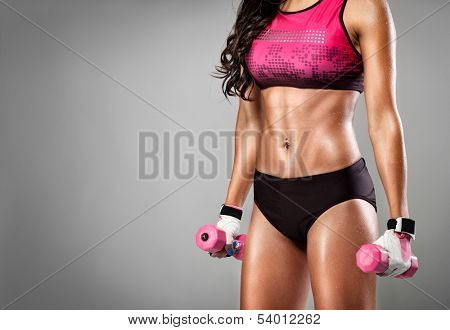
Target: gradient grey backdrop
x: 68, y: 153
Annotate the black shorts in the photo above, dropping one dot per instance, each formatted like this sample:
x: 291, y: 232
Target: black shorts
x: 292, y: 205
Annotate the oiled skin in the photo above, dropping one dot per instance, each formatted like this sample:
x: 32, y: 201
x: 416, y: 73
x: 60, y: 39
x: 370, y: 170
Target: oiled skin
x: 317, y: 126
x: 289, y: 132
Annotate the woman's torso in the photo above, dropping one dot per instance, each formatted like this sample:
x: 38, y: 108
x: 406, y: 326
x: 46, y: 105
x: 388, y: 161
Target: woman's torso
x: 310, y: 77
x: 317, y: 125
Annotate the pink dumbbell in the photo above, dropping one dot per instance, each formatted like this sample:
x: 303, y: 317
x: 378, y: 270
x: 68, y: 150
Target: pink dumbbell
x: 373, y: 258
x: 212, y: 239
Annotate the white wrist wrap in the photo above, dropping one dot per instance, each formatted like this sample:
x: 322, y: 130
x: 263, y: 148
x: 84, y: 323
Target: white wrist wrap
x: 391, y: 243
x: 230, y: 225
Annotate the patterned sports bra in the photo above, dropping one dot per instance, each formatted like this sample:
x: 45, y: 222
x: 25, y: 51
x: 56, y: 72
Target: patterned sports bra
x: 309, y: 48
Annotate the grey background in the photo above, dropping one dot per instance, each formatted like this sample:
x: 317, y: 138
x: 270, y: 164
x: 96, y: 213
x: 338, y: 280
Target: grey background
x: 68, y: 154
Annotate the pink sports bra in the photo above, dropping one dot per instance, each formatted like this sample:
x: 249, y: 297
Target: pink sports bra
x: 309, y: 48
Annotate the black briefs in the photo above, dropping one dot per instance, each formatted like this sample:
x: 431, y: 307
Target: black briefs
x: 292, y: 205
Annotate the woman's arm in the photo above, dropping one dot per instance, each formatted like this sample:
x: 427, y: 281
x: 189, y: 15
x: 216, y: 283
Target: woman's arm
x: 246, y: 144
x: 376, y: 34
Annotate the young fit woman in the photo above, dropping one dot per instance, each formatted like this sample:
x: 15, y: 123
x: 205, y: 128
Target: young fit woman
x: 299, y: 67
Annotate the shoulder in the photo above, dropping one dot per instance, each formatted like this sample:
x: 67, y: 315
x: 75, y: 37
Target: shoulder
x: 368, y: 7
x: 364, y: 15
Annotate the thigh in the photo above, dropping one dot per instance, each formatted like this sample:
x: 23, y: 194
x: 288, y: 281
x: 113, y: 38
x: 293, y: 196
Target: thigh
x: 274, y: 269
x: 336, y: 281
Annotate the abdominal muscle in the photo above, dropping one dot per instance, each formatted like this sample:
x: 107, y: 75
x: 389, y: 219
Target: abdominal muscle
x: 306, y: 131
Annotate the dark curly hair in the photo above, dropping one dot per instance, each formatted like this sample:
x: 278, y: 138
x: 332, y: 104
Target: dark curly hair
x: 252, y: 17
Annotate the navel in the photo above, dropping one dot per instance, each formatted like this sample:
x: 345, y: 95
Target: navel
x: 286, y: 143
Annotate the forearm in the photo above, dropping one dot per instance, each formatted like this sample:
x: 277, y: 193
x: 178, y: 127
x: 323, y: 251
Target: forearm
x: 237, y: 190
x: 390, y: 156
x: 246, y: 147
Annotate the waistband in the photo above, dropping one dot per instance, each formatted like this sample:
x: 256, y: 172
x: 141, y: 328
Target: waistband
x: 354, y: 168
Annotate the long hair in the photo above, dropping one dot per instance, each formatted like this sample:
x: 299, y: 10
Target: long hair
x: 252, y: 18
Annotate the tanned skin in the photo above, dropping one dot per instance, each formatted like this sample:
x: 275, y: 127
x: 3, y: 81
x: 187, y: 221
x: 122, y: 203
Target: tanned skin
x: 317, y: 127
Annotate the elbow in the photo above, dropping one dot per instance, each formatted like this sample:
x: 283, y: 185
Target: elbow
x: 252, y: 123
x: 388, y: 124
x: 249, y: 131
x: 254, y: 126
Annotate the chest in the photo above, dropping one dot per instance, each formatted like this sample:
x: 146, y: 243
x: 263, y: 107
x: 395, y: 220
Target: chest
x: 303, y: 52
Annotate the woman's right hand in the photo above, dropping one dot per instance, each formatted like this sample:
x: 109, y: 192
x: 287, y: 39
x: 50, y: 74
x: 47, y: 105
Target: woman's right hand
x: 229, y: 221
x: 223, y: 253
